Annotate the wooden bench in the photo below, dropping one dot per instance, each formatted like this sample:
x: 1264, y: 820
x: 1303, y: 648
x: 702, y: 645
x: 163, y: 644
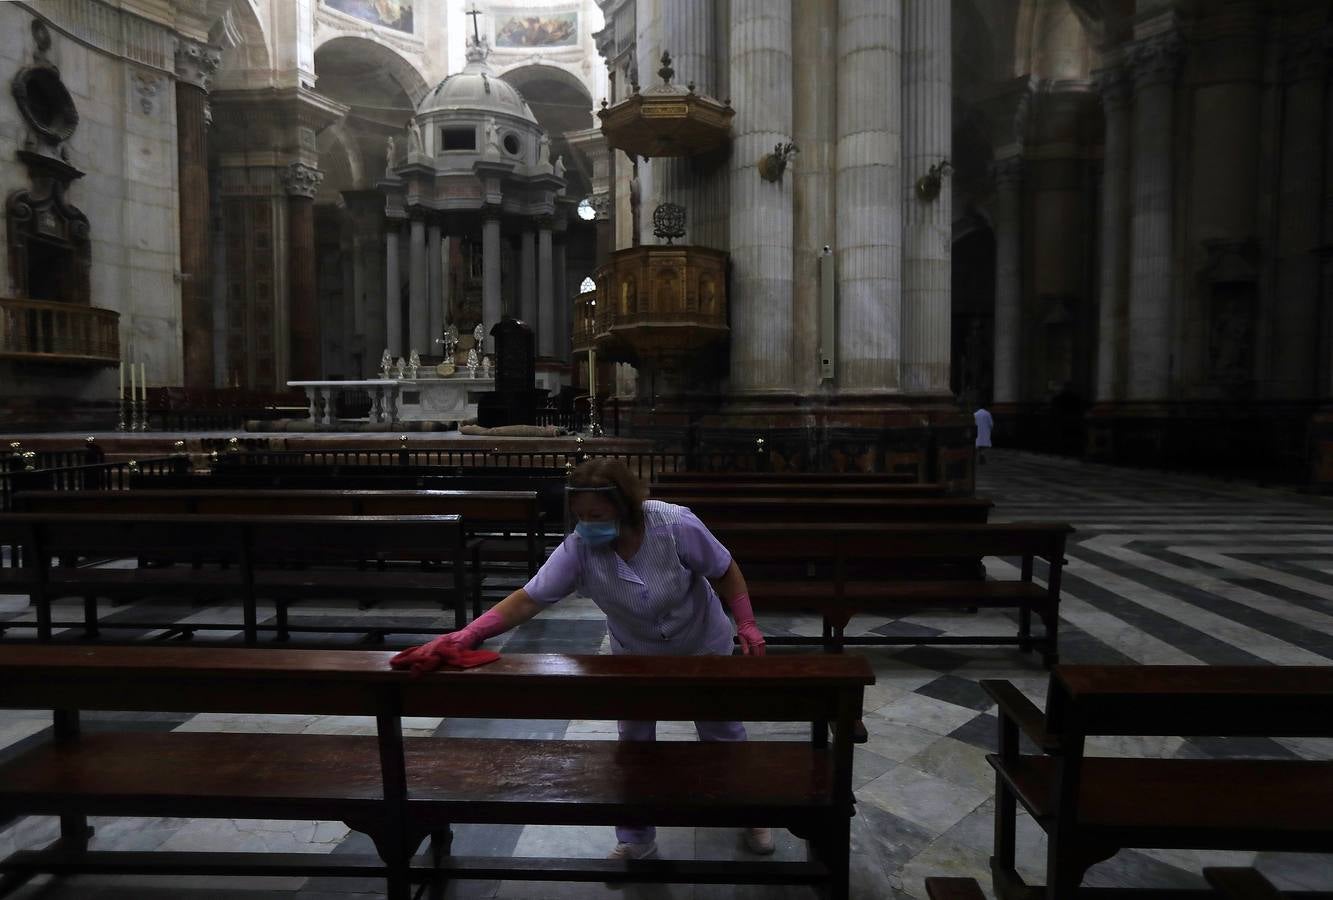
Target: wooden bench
x: 1091, y: 807
x: 785, y: 477
x: 487, y: 515
x: 282, y: 558
x: 839, y: 571
x: 887, y: 490
x: 401, y: 790
x: 838, y: 510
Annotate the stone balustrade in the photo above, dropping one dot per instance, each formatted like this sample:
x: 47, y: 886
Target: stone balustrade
x: 49, y: 331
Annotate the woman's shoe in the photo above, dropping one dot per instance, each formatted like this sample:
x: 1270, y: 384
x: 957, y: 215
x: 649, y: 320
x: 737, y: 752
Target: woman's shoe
x: 758, y: 840
x: 634, y: 851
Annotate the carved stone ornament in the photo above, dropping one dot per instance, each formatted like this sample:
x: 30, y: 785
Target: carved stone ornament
x: 1157, y: 60
x: 196, y: 62
x: 302, y: 180
x: 45, y: 103
x: 1116, y: 87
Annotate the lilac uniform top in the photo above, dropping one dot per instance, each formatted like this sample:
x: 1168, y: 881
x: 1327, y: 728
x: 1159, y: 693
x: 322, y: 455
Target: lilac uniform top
x: 658, y: 602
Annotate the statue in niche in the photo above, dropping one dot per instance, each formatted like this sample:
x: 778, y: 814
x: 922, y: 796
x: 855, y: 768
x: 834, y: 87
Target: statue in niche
x: 559, y: 167
x: 492, y: 147
x: 388, y: 155
x: 543, y: 151
x: 414, y: 144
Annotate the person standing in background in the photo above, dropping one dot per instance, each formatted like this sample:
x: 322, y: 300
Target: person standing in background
x: 985, y: 425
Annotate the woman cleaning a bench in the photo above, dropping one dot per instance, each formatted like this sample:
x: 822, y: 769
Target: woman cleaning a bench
x: 660, y: 576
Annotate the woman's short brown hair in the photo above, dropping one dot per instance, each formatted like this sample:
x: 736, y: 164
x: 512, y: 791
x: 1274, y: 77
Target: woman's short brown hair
x: 626, y: 493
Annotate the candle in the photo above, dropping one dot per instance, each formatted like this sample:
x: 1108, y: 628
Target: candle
x: 143, y: 384
x: 592, y: 374
x: 131, y: 382
x: 121, y: 393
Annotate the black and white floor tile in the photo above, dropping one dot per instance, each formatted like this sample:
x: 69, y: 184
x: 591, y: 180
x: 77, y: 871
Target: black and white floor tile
x: 1163, y: 569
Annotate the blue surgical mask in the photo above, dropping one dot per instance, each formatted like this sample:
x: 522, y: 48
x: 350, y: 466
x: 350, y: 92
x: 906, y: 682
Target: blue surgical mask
x: 597, y: 534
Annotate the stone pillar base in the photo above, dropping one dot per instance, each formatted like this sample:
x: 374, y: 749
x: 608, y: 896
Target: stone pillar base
x: 1288, y: 442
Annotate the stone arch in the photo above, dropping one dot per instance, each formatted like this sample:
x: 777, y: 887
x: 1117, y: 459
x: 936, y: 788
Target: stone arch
x: 238, y: 28
x: 562, y: 103
x: 383, y: 62
x: 341, y: 160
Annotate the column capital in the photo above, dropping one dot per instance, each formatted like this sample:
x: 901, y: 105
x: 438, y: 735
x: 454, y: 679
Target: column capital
x: 301, y: 180
x: 1007, y: 172
x: 544, y: 223
x: 1157, y: 60
x: 196, y: 63
x: 1116, y: 85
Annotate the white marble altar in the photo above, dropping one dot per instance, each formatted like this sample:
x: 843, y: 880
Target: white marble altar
x: 450, y: 399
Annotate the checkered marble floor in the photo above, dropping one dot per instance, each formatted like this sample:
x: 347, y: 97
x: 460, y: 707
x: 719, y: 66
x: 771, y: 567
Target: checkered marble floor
x: 1163, y: 569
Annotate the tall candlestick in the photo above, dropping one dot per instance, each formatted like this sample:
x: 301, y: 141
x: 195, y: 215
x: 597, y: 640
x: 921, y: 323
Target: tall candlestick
x: 120, y: 394
x: 143, y: 383
x: 592, y: 375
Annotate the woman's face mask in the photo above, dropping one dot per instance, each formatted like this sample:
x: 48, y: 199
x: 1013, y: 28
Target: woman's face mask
x: 597, y: 534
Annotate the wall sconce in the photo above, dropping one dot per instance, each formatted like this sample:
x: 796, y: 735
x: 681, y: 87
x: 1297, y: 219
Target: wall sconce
x: 772, y: 165
x: 928, y: 185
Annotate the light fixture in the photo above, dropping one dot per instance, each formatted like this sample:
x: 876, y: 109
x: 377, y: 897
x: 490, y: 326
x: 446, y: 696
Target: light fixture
x: 586, y: 210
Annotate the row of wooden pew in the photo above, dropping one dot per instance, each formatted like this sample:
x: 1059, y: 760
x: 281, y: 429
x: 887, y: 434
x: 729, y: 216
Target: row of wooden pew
x: 799, y: 553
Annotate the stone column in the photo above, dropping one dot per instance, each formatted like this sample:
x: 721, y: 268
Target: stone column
x: 367, y: 213
x: 1008, y: 224
x: 1294, y: 320
x: 435, y: 301
x: 1156, y: 62
x: 761, y: 211
x: 195, y: 65
x: 490, y: 268
x: 814, y: 129
x: 545, y: 290
x: 688, y: 34
x: 1116, y: 88
x: 869, y: 194
x: 527, y: 275
x: 393, y: 280
x: 418, y: 275
x: 302, y: 181
x: 928, y: 225
x: 563, y: 299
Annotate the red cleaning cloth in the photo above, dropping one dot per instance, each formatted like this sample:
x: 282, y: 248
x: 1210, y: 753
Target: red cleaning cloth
x: 441, y: 652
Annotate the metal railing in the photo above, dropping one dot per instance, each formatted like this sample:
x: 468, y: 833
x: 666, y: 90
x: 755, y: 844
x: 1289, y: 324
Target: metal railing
x: 104, y: 476
x: 48, y: 331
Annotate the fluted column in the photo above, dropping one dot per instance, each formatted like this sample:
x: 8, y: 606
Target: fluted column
x: 688, y: 33
x: 1156, y: 63
x: 490, y: 269
x: 928, y: 225
x: 435, y: 302
x: 527, y: 286
x: 302, y: 181
x: 1008, y: 224
x: 393, y: 280
x: 1116, y: 89
x: 815, y: 131
x: 545, y: 293
x: 869, y: 194
x: 1295, y: 320
x: 195, y: 65
x: 417, y: 286
x: 761, y: 211
x: 562, y: 299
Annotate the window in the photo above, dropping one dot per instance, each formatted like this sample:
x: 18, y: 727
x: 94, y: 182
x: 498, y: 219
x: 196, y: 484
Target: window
x: 458, y: 138
x: 587, y: 285
x: 512, y: 145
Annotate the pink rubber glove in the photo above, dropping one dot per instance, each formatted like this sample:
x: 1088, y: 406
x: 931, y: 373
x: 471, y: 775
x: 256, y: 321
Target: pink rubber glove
x: 752, y: 639
x: 448, y: 649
